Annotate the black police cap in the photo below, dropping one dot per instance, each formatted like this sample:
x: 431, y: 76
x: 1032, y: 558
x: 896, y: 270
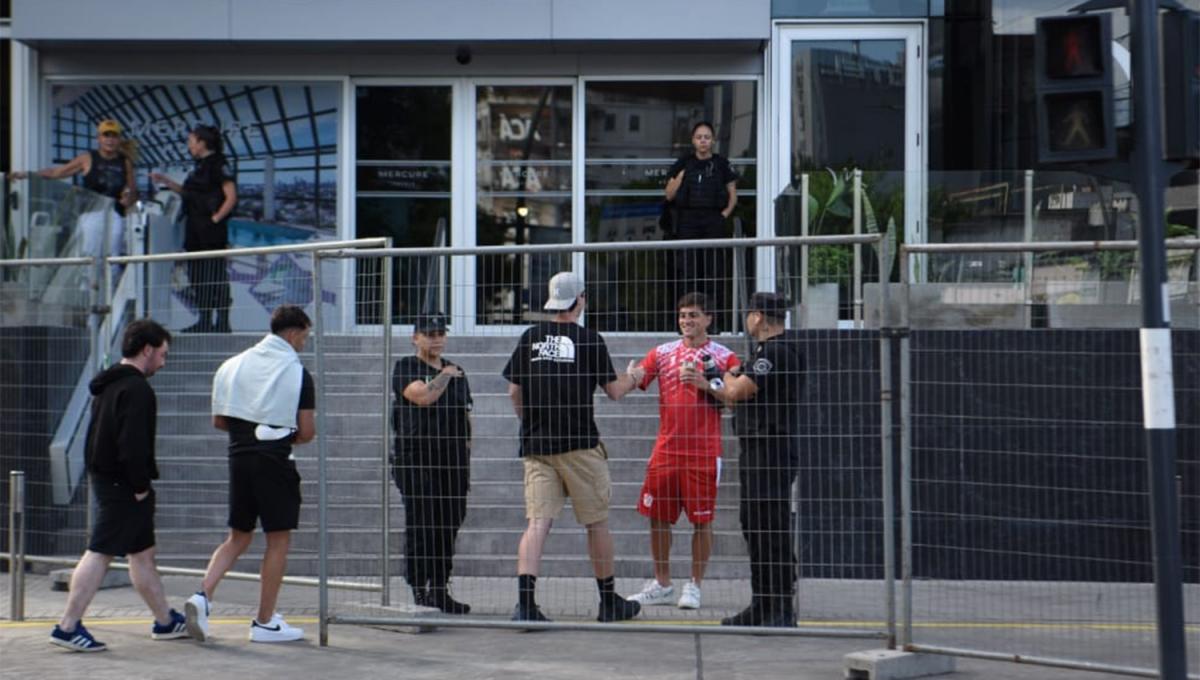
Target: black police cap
x: 773, y: 305
x: 430, y: 322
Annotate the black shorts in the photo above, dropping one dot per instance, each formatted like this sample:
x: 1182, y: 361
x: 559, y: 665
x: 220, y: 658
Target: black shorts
x: 266, y: 486
x: 124, y: 525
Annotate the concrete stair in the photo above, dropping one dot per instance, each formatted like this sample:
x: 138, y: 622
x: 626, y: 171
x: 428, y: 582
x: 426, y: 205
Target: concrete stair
x: 192, y: 460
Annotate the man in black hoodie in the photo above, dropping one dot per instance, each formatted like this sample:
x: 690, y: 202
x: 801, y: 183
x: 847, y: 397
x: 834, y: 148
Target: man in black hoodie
x: 767, y: 391
x: 120, y: 463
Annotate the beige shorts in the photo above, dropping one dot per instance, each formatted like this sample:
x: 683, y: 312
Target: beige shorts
x: 581, y: 474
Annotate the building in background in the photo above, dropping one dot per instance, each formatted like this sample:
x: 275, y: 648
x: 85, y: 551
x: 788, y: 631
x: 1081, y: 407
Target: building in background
x: 554, y: 121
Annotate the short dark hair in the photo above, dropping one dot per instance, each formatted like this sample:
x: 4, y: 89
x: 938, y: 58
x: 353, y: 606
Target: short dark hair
x: 141, y: 333
x: 771, y: 305
x: 289, y: 316
x: 693, y: 299
x: 703, y: 123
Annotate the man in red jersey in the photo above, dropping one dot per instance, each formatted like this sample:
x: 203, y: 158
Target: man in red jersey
x: 685, y: 466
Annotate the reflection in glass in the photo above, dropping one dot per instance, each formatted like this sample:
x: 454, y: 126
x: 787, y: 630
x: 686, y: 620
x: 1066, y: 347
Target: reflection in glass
x: 403, y: 190
x: 847, y: 114
x: 635, y: 132
x: 523, y: 194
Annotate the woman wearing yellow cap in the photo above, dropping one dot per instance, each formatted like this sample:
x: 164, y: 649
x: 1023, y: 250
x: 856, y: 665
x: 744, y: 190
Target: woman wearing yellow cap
x: 108, y: 171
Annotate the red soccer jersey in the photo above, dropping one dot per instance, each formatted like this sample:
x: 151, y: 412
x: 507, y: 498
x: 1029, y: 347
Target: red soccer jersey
x: 689, y: 421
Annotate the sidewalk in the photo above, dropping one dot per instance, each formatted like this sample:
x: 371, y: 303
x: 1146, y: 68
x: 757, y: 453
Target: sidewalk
x: 118, y: 618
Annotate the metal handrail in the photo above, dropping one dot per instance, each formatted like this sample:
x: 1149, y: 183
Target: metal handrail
x: 607, y: 247
x: 1040, y: 246
x: 308, y: 247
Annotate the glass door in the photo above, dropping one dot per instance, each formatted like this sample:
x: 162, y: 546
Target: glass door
x: 849, y: 98
x: 523, y: 194
x: 403, y: 136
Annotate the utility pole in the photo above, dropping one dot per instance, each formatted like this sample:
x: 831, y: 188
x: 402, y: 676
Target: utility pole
x: 1158, y: 391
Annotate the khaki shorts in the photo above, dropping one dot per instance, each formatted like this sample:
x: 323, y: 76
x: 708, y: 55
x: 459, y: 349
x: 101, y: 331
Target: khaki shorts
x: 581, y: 474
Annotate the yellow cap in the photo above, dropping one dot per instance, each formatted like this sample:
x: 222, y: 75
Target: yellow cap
x: 109, y: 125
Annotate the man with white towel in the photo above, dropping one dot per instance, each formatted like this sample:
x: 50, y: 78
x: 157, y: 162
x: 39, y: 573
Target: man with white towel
x: 266, y: 400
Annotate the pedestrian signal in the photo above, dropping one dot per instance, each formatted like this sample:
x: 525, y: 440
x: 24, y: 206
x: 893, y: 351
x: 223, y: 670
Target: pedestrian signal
x: 1074, y: 89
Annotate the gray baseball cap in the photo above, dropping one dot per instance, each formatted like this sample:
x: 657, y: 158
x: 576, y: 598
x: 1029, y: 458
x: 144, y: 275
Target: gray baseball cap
x: 565, y: 287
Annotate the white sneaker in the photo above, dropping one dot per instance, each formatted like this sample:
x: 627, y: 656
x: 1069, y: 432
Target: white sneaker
x: 196, y: 609
x: 276, y: 631
x: 690, y: 597
x: 654, y: 593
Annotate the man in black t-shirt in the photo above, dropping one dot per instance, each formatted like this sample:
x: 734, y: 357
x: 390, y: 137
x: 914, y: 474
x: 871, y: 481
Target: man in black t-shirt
x: 553, y: 372
x: 266, y: 400
x: 767, y: 391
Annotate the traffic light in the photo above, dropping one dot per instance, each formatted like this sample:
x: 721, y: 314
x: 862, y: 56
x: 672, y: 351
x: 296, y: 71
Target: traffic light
x: 1181, y: 84
x: 1074, y: 89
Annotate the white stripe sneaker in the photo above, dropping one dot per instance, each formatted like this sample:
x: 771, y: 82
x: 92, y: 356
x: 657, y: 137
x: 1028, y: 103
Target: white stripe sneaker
x: 277, y: 630
x: 197, y: 609
x: 690, y: 597
x: 654, y: 593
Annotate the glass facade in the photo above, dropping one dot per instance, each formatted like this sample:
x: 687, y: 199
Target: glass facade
x: 635, y: 132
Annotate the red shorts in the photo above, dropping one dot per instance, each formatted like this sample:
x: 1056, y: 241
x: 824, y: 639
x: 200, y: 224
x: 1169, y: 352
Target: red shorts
x: 671, y: 488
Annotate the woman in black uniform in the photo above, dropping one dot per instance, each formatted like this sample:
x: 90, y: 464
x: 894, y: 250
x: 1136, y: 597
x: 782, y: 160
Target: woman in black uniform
x: 432, y: 465
x: 703, y: 187
x: 108, y: 171
x: 209, y: 196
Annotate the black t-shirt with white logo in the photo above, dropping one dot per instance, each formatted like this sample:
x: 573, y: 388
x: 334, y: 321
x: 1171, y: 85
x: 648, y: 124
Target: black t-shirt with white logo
x: 441, y: 426
x: 558, y: 367
x: 777, y: 367
x: 241, y: 432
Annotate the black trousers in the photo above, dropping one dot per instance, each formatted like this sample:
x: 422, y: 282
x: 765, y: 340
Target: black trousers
x: 704, y: 270
x: 208, y: 286
x: 766, y: 470
x: 435, y: 505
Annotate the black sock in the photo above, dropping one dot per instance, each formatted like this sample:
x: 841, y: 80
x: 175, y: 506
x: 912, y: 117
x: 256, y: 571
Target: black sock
x: 606, y: 588
x: 525, y: 587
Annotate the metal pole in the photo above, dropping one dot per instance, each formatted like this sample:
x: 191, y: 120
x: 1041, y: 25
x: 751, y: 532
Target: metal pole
x: 322, y: 463
x: 385, y: 491
x: 887, y: 467
x: 906, y: 565
x: 804, y: 247
x: 858, y: 302
x: 1028, y: 256
x: 1158, y: 394
x: 16, y: 545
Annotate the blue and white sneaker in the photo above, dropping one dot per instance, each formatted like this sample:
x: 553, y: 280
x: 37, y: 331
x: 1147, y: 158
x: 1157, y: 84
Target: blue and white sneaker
x: 197, y: 608
x: 174, y: 630
x: 78, y: 640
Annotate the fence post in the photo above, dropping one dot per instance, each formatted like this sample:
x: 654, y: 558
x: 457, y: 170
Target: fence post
x: 385, y: 595
x: 322, y: 450
x: 906, y: 558
x: 16, y: 545
x: 804, y: 247
x: 1028, y: 256
x: 887, y: 467
x: 857, y: 284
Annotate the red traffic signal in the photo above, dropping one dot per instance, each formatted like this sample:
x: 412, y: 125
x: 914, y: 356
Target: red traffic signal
x: 1074, y: 89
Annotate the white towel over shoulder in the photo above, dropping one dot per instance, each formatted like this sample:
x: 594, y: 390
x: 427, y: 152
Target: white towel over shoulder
x: 261, y: 385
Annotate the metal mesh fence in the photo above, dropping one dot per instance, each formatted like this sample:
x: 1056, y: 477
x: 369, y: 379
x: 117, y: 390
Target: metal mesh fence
x: 458, y: 504
x: 1028, y: 479
x: 45, y: 341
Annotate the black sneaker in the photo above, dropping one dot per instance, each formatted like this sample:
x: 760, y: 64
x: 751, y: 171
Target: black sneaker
x: 533, y: 613
x: 750, y: 616
x: 617, y: 609
x: 440, y: 598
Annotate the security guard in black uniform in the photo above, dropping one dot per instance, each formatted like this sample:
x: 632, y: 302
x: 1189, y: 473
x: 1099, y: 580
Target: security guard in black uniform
x: 766, y: 392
